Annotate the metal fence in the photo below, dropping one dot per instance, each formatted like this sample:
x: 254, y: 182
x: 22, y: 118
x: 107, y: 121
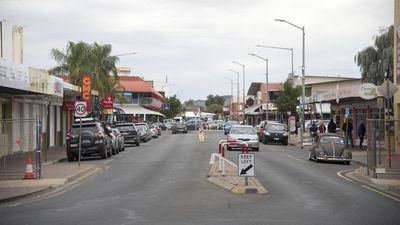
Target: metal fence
x: 19, y: 138
x: 382, y: 161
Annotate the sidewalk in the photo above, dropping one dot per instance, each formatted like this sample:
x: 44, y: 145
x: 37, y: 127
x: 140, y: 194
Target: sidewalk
x: 389, y: 184
x: 56, y: 172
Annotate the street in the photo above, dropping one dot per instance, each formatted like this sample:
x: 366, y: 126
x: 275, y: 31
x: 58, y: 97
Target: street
x: 164, y: 182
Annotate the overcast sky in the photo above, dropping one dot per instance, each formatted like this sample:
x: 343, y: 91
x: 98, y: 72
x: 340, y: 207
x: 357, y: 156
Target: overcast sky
x: 194, y: 42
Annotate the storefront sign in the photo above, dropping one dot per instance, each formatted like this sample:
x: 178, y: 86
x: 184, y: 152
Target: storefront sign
x: 38, y: 80
x: 56, y: 86
x: 86, y: 90
x: 108, y: 103
x: 69, y: 106
x: 13, y: 75
x: 367, y: 91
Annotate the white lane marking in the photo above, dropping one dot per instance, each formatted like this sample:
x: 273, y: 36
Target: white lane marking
x: 108, y: 161
x: 299, y: 160
x: 344, y: 177
x: 379, y: 192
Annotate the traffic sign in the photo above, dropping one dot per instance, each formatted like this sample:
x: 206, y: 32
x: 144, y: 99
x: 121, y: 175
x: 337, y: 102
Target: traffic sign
x: 347, y: 112
x: 387, y: 89
x: 247, y: 166
x: 167, y: 106
x: 80, y: 109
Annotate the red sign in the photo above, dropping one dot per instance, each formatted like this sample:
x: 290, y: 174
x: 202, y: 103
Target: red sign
x: 69, y: 106
x: 108, y: 102
x: 86, y: 90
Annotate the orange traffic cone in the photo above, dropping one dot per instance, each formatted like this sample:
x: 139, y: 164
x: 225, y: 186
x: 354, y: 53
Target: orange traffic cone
x: 29, y: 169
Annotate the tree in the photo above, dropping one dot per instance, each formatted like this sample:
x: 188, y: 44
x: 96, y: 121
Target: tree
x: 175, y: 107
x: 189, y: 103
x: 287, y: 99
x: 375, y: 61
x: 215, y: 108
x: 80, y: 58
x: 211, y: 99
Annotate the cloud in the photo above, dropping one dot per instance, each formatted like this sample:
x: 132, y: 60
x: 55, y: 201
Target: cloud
x: 195, y: 42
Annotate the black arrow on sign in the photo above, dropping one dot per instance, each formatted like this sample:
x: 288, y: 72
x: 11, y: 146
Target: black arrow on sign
x: 244, y: 171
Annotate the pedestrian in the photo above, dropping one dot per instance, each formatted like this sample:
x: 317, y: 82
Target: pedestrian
x: 347, y: 128
x: 361, y: 132
x: 322, y: 128
x: 331, y: 127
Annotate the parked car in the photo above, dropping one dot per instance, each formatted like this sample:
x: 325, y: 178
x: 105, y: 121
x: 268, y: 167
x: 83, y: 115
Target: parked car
x: 330, y: 147
x: 94, y: 140
x: 191, y: 124
x: 120, y: 138
x: 243, y: 133
x: 275, y: 132
x: 228, y: 126
x: 157, y: 126
x: 144, y: 131
x: 114, y: 139
x: 129, y: 132
x: 179, y: 127
x: 261, y: 128
x: 153, y: 131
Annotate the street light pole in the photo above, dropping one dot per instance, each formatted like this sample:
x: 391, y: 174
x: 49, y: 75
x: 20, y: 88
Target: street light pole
x: 303, y: 71
x: 244, y: 95
x: 237, y: 97
x: 231, y: 101
x: 266, y: 82
x: 282, y: 48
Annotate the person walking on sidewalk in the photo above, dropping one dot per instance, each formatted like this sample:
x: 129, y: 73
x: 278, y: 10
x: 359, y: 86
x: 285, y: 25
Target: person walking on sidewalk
x: 322, y: 128
x: 347, y: 128
x: 331, y: 127
x: 361, y: 132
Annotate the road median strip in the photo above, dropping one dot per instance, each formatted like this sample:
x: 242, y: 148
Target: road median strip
x: 231, y: 181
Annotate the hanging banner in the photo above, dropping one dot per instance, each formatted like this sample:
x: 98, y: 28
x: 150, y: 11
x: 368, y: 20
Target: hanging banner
x: 86, y: 90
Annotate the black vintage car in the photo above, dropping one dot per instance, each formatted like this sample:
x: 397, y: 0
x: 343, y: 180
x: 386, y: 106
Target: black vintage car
x: 330, y: 147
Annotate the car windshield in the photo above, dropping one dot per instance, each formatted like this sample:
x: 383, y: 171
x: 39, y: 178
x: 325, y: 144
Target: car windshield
x: 125, y: 127
x: 276, y: 127
x: 242, y: 130
x: 332, y: 139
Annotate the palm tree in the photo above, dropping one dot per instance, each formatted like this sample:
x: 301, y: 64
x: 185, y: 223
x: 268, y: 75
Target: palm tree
x: 74, y: 61
x: 111, y: 86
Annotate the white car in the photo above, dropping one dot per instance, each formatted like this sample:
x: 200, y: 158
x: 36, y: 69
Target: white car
x: 244, y: 133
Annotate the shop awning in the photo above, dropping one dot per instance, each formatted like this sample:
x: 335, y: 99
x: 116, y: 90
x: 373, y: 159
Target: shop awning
x: 137, y: 110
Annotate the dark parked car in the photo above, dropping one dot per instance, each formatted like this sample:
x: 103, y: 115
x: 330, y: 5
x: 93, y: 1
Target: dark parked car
x: 275, y: 132
x: 94, y: 139
x: 330, y: 147
x: 129, y: 132
x: 179, y: 127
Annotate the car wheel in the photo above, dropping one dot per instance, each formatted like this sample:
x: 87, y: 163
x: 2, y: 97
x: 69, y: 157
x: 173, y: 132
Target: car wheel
x: 113, y: 151
x: 264, y: 141
x: 103, y: 154
x: 70, y: 157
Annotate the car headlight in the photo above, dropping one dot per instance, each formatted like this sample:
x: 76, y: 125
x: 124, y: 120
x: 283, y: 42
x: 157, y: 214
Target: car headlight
x: 231, y: 139
x: 267, y: 133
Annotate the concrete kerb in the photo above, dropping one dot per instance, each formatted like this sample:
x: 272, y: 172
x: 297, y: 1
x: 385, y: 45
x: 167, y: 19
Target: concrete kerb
x: 35, y: 187
x: 389, y: 187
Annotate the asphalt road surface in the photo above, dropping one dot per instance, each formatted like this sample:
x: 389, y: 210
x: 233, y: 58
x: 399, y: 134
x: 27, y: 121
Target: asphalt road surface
x: 164, y: 182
